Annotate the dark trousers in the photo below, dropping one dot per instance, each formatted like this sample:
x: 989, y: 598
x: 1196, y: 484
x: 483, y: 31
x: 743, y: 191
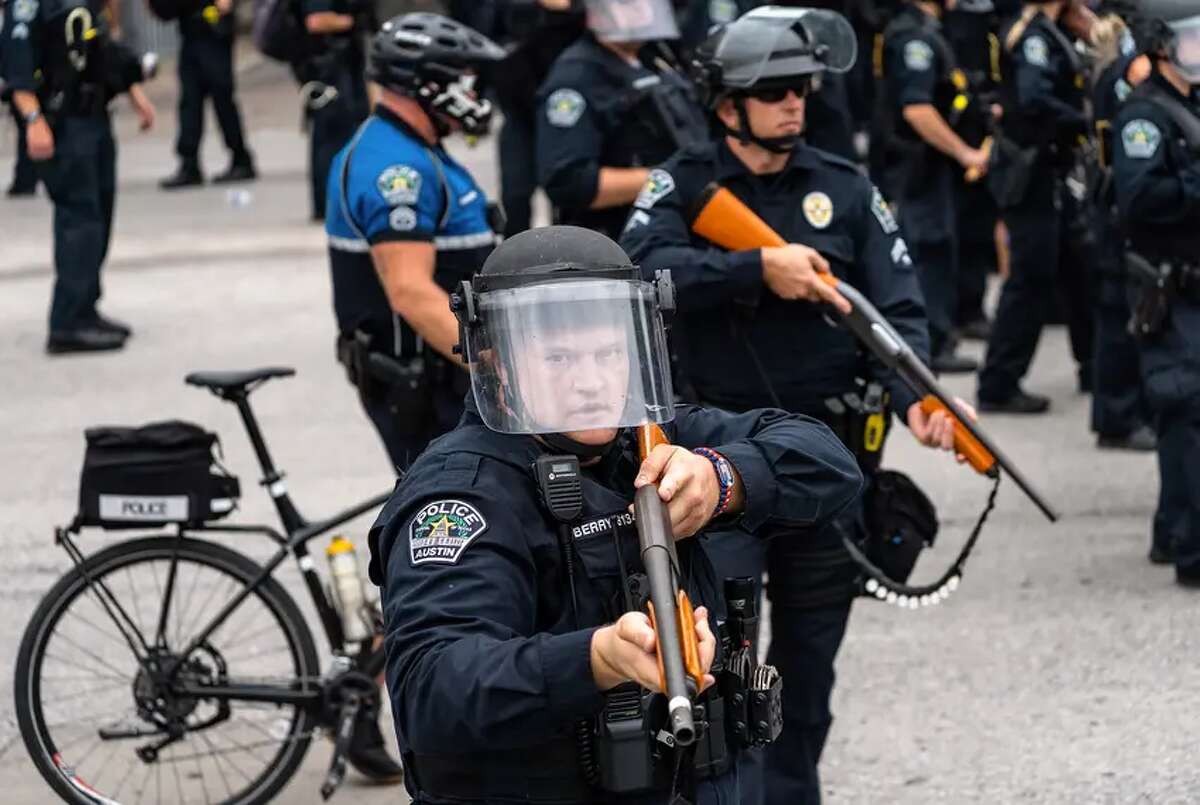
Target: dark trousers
x: 206, y: 71
x: 24, y: 173
x: 1117, y: 407
x: 404, y: 442
x: 81, y: 181
x: 518, y: 168
x: 976, y: 251
x: 937, y: 270
x: 1171, y: 374
x: 1035, y: 232
x: 334, y: 124
x: 806, y: 633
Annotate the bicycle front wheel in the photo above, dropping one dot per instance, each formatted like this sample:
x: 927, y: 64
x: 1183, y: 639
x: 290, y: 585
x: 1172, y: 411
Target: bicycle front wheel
x: 104, y: 724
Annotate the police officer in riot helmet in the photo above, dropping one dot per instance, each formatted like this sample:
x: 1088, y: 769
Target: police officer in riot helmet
x: 754, y: 324
x: 406, y: 222
x: 62, y: 68
x: 1036, y: 144
x: 614, y: 104
x: 1156, y: 171
x: 918, y: 156
x: 521, y: 665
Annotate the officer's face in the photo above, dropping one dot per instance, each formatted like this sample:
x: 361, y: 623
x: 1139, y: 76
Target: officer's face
x: 779, y: 114
x: 575, y: 380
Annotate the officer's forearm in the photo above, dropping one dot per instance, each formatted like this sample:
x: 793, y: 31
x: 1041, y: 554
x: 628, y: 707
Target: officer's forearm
x: 328, y: 22
x: 931, y: 127
x: 427, y: 310
x: 26, y: 102
x: 618, y: 187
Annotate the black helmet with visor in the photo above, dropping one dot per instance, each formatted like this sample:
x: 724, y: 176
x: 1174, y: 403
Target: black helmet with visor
x: 772, y: 48
x: 562, y: 335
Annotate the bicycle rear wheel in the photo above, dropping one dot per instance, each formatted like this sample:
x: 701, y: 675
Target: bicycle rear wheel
x: 96, y: 719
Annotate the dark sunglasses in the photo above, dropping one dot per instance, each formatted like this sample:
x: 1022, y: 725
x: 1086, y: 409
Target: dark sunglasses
x: 777, y: 93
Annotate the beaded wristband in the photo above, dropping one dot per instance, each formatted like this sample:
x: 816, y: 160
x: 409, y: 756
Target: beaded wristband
x: 724, y: 478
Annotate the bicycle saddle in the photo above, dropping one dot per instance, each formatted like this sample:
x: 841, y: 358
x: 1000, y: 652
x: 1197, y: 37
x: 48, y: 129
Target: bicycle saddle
x: 231, y: 381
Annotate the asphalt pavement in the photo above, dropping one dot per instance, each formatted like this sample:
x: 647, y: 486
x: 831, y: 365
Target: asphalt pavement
x: 1063, y: 671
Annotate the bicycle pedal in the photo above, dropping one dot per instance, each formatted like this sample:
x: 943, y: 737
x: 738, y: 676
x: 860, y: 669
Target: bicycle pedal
x: 345, y: 733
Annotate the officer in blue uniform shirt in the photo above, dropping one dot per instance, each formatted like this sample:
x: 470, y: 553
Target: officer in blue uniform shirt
x: 510, y: 567
x: 753, y: 337
x: 613, y: 106
x: 919, y: 156
x: 1157, y: 176
x: 62, y: 69
x: 406, y: 223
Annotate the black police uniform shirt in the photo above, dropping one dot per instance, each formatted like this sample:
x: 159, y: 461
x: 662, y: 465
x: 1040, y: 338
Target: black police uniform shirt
x: 587, y: 121
x: 1157, y: 181
x: 1043, y: 90
x: 195, y: 27
x: 730, y: 320
x: 919, y: 68
x: 34, y: 49
x: 398, y: 188
x: 484, y: 653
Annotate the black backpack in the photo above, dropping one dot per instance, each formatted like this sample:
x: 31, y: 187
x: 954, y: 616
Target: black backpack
x: 279, y: 31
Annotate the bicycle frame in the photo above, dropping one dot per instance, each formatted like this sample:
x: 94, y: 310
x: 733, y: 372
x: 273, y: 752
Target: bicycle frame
x: 298, y: 533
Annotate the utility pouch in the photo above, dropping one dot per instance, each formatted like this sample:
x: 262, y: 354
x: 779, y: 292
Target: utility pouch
x: 1150, y: 292
x: 901, y: 522
x: 1010, y: 170
x: 752, y: 694
x: 862, y: 422
x: 623, y: 742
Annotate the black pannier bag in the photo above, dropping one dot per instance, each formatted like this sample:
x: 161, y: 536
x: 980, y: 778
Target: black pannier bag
x: 164, y: 472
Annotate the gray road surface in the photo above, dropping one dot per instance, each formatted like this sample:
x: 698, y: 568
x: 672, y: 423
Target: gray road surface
x: 1065, y: 670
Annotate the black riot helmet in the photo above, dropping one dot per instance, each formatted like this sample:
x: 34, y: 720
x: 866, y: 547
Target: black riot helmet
x: 436, y: 61
x: 769, y: 47
x: 562, y: 335
x: 1171, y: 28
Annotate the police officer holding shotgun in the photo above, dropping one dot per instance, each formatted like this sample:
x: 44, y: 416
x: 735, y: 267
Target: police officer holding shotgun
x: 521, y: 663
x: 754, y: 325
x: 1156, y: 171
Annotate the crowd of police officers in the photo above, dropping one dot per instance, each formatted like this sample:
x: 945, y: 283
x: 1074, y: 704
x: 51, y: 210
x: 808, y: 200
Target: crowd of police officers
x: 909, y: 149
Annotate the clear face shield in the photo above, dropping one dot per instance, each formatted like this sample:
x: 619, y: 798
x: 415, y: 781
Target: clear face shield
x: 631, y: 20
x: 755, y: 47
x: 569, y: 355
x: 1185, y: 48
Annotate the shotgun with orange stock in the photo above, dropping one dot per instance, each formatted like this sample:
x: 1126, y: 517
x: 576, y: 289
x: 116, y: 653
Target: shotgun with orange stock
x: 671, y: 612
x: 727, y: 222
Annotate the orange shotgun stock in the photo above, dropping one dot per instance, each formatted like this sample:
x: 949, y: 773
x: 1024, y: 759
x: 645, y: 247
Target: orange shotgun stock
x: 722, y: 218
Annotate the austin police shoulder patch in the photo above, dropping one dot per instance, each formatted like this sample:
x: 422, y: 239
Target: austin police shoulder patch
x: 818, y: 209
x: 441, y: 531
x: 399, y: 184
x: 1035, y: 51
x: 25, y: 10
x: 564, y: 107
x: 918, y: 56
x: 1140, y: 138
x: 883, y: 213
x: 403, y: 219
x: 658, y: 185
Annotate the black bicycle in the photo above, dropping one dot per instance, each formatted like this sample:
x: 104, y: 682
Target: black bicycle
x: 169, y: 668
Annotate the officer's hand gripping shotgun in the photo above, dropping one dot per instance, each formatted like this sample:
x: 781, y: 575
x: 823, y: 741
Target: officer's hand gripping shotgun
x: 727, y: 222
x: 671, y: 613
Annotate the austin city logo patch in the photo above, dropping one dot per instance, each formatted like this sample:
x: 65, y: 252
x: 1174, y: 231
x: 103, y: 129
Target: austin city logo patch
x: 442, y: 530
